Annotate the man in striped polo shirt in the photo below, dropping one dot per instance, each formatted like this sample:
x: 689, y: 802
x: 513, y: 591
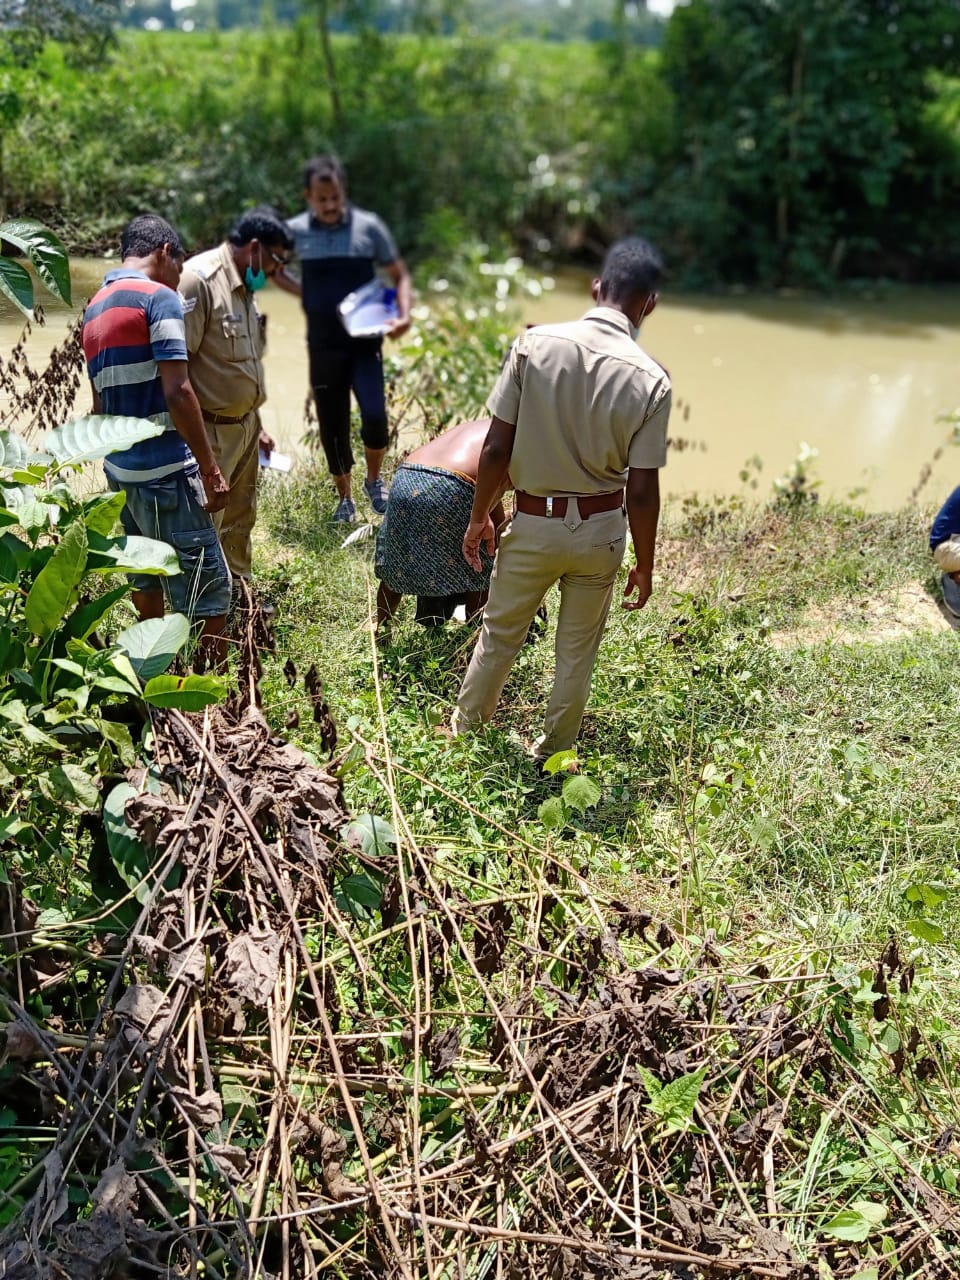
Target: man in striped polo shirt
x: 136, y: 352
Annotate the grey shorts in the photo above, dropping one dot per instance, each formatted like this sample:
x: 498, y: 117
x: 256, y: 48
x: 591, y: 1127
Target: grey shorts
x: 172, y: 509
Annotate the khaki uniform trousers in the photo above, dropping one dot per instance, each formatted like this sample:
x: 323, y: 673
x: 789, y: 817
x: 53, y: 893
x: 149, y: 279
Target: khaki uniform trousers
x: 534, y: 553
x: 236, y: 447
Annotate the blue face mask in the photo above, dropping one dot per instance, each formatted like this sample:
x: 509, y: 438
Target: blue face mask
x: 255, y: 280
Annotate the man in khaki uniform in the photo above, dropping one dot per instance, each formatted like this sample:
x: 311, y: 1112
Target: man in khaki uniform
x: 225, y: 345
x: 580, y: 413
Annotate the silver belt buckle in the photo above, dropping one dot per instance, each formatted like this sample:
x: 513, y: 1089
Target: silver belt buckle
x: 549, y: 511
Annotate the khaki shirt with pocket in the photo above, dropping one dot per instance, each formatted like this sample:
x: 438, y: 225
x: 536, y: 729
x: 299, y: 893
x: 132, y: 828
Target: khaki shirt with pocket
x: 224, y: 335
x: 588, y: 404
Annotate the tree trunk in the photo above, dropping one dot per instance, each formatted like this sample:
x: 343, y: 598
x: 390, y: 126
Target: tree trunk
x: 329, y: 63
x: 796, y: 91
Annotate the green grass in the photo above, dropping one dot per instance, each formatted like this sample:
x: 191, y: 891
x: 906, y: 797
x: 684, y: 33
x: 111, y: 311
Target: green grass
x: 781, y: 795
x: 713, y: 972
x: 774, y: 770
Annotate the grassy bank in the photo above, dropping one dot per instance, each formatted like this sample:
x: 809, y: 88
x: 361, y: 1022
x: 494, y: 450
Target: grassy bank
x: 396, y: 1006
x: 277, y: 1006
x: 767, y: 775
x: 766, y: 722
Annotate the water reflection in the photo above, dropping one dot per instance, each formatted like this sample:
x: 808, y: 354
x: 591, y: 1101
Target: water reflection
x: 861, y: 380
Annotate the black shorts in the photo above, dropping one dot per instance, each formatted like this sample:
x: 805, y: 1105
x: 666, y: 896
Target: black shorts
x: 334, y: 373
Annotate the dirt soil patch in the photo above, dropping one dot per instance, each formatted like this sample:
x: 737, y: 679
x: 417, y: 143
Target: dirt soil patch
x: 904, y: 612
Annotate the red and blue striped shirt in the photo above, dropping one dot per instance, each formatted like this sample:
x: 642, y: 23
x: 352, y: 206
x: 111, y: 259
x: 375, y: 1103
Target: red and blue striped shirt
x: 130, y: 325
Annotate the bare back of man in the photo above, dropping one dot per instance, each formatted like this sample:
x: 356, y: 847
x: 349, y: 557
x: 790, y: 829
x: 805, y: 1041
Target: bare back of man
x: 455, y: 450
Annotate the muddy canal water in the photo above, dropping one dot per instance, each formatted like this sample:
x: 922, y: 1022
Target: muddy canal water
x: 863, y: 380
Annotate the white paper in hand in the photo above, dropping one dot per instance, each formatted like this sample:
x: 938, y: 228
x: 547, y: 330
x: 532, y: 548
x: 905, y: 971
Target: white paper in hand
x: 276, y: 461
x: 369, y: 312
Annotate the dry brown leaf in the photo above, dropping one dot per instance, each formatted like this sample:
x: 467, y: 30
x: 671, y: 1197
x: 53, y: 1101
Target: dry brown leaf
x: 251, y: 965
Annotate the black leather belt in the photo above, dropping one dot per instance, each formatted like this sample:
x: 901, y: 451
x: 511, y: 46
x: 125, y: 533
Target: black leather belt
x: 587, y: 504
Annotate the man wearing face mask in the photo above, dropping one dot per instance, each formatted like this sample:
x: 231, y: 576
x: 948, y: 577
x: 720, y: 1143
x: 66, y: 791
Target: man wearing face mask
x: 225, y: 345
x: 579, y: 423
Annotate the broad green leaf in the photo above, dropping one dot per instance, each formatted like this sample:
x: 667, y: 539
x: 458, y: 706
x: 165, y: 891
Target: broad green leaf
x: 763, y: 833
x: 362, y: 889
x: 11, y: 826
x: 85, y: 617
x: 16, y: 283
x: 46, y: 252
x: 131, y: 858
x: 101, y: 514
x: 53, y: 589
x: 152, y: 645
x: 580, y: 793
x: 67, y: 664
x: 31, y: 513
x: 14, y: 557
x: 131, y: 555
x: 16, y: 713
x: 115, y: 684
x: 14, y: 450
x: 928, y: 895
x: 858, y: 1221
x: 888, y: 1038
x: 186, y: 693
x: 560, y: 760
x: 94, y: 436
x: 552, y: 813
x: 119, y: 736
x: 52, y: 918
x: 73, y: 786
x: 925, y: 930
x: 650, y: 1082
x: 373, y: 834
x: 239, y: 1101
x: 121, y: 664
x: 15, y: 495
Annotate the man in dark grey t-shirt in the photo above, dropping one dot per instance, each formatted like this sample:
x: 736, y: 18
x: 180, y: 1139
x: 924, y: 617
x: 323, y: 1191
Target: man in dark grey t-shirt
x: 340, y: 248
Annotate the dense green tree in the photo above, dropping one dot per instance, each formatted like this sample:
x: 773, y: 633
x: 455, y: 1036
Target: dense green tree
x: 84, y: 28
x: 802, y: 134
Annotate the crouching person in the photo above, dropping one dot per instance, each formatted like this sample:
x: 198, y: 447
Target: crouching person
x: 945, y: 545
x: 419, y: 546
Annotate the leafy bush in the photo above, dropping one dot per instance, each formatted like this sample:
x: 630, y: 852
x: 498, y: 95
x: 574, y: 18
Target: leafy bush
x: 69, y: 705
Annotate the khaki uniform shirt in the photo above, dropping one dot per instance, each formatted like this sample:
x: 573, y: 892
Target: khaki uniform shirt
x: 587, y: 403
x: 223, y: 335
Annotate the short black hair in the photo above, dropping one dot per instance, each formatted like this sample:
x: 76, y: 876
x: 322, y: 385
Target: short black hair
x: 632, y: 268
x: 326, y: 169
x: 263, y: 224
x: 147, y: 233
